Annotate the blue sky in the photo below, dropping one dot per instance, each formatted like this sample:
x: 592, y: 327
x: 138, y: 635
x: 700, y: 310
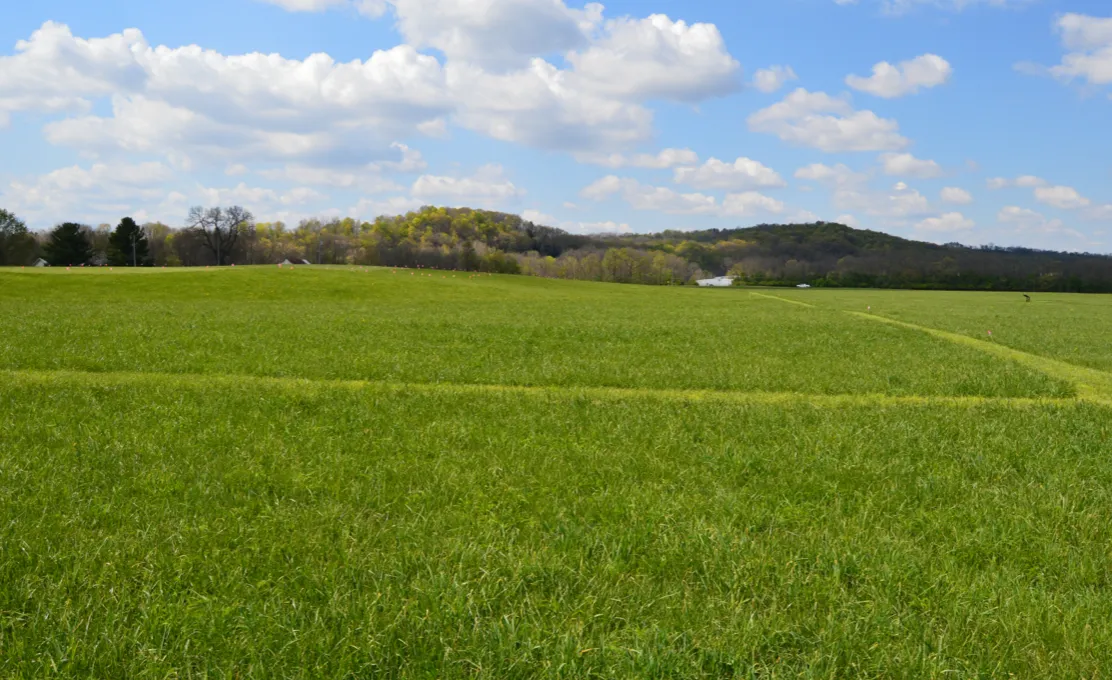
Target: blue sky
x: 945, y: 120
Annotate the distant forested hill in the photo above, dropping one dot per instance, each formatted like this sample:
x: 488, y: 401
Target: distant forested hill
x: 821, y: 254
x: 828, y: 254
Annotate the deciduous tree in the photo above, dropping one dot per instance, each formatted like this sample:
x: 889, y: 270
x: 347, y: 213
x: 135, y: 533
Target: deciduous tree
x: 16, y: 244
x: 220, y: 228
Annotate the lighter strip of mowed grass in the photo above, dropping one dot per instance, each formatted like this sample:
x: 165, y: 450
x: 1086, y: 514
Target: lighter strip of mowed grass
x: 196, y: 527
x: 1091, y: 384
x: 169, y: 380
x: 1067, y: 327
x: 781, y: 299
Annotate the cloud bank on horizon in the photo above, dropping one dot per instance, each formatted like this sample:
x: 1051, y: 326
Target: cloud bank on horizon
x: 874, y: 113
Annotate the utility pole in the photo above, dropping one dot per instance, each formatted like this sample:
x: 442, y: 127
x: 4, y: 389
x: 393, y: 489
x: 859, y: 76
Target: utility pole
x: 133, y: 258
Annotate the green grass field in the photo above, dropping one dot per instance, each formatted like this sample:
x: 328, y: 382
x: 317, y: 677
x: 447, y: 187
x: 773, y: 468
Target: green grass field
x: 348, y: 473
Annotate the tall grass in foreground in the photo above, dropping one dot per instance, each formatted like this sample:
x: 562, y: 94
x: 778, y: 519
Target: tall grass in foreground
x: 197, y: 482
x: 169, y: 528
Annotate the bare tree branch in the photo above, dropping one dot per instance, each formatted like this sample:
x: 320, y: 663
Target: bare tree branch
x: 219, y: 227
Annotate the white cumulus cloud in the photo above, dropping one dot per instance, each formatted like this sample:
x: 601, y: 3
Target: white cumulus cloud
x: 907, y: 77
x: 1030, y: 222
x: 956, y: 196
x: 104, y: 192
x: 838, y: 175
x: 656, y: 58
x: 394, y: 205
x: 946, y: 223
x: 645, y: 197
x: 488, y: 185
x: 1023, y: 181
x: 202, y: 104
x: 263, y: 200
x: 662, y: 199
x: 749, y: 203
x: 906, y: 165
x: 1058, y: 196
x: 496, y: 34
x: 1090, y: 39
x: 360, y: 180
x: 817, y: 120
x: 743, y: 173
x: 1066, y: 198
x: 195, y: 103
x: 773, y: 78
x: 899, y: 202
x: 667, y: 158
x: 1099, y: 213
x: 97, y: 193
x: 575, y: 227
x: 539, y: 107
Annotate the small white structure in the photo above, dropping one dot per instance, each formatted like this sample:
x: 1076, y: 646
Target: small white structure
x: 306, y: 262
x: 804, y: 285
x: 41, y: 263
x: 717, y: 282
x: 285, y: 262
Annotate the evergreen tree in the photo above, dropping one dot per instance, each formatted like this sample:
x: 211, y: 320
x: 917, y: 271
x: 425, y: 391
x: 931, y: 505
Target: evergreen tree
x: 127, y: 246
x: 468, y: 258
x: 68, y: 245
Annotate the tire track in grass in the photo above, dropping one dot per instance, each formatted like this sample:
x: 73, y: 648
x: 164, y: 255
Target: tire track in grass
x: 171, y: 381
x: 1092, y: 385
x: 777, y: 297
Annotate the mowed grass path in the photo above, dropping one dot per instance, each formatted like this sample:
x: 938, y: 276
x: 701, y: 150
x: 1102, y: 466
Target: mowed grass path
x: 272, y: 516
x: 1073, y: 328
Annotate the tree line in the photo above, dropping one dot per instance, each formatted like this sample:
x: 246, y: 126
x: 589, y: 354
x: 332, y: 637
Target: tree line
x: 820, y: 254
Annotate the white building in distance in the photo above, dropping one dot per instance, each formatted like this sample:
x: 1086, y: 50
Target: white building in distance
x: 717, y: 282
